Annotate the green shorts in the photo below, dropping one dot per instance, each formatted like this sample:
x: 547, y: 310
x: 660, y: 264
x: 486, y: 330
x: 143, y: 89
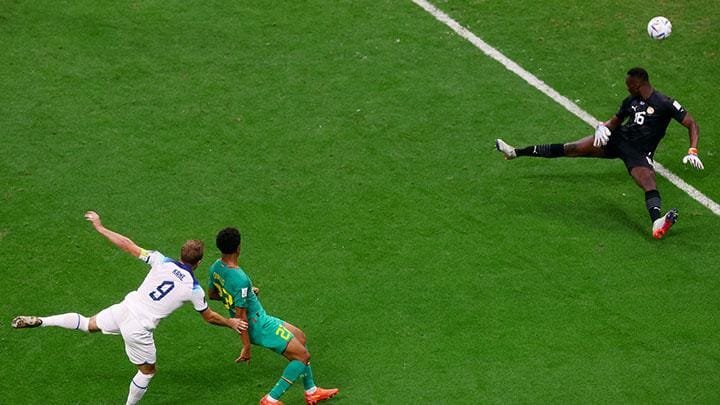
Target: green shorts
x: 269, y: 332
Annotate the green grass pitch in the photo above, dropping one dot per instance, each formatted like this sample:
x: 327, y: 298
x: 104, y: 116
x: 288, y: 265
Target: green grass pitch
x: 352, y: 143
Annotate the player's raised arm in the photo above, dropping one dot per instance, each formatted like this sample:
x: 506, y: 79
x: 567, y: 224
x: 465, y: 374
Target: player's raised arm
x: 118, y: 240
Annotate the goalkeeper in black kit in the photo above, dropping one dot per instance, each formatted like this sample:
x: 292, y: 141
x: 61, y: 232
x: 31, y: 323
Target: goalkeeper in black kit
x: 648, y: 113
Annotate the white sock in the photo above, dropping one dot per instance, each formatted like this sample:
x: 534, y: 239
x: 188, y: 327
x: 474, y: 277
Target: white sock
x: 138, y: 386
x: 67, y: 321
x: 311, y: 390
x: 271, y: 399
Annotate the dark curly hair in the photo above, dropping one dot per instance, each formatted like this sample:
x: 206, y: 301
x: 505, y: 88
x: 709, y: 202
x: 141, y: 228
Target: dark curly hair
x: 228, y: 240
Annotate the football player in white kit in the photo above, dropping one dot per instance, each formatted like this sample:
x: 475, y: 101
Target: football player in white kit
x: 166, y: 287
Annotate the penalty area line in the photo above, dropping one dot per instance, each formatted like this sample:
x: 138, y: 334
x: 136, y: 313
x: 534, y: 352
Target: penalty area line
x: 553, y: 94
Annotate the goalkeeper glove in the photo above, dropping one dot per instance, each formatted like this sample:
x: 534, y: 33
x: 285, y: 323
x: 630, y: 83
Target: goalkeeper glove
x: 602, y: 135
x: 693, y: 159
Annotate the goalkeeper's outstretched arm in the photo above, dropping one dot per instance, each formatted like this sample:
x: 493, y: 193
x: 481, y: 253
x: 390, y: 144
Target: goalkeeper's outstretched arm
x: 694, y: 135
x: 693, y: 130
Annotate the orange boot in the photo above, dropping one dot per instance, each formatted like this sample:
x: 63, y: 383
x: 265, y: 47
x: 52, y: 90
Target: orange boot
x: 320, y: 394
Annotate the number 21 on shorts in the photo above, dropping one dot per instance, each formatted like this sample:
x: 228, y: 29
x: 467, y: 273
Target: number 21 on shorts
x: 283, y: 332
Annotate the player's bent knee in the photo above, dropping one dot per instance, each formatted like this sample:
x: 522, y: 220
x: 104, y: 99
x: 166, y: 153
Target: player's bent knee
x: 644, y: 177
x: 301, y: 337
x: 297, y: 351
x: 147, y: 369
x: 92, y: 325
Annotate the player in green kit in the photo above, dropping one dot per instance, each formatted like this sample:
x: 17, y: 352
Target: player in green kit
x: 229, y: 284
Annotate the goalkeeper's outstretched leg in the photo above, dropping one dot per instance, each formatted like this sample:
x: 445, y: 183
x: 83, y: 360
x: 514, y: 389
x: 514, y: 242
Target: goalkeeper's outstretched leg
x: 631, y: 135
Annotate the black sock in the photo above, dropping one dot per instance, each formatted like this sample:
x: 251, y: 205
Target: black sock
x: 653, y: 203
x: 551, y: 150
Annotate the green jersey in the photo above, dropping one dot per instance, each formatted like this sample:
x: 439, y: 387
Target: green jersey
x: 235, y: 289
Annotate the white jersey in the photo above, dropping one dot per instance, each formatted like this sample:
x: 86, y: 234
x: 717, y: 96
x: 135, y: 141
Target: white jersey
x: 167, y: 286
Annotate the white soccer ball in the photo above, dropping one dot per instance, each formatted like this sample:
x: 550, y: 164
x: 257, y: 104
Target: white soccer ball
x: 659, y: 28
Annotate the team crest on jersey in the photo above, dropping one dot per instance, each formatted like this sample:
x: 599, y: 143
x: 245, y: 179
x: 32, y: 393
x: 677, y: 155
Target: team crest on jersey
x: 650, y: 110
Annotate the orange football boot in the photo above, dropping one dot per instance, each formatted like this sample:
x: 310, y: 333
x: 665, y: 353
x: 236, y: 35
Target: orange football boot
x: 662, y: 225
x: 266, y: 401
x: 320, y: 394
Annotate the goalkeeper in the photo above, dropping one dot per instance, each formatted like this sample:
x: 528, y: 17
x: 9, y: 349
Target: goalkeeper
x: 648, y: 113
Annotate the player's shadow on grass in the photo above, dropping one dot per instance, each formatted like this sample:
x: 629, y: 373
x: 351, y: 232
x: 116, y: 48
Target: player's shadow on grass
x: 591, y: 205
x: 618, y: 215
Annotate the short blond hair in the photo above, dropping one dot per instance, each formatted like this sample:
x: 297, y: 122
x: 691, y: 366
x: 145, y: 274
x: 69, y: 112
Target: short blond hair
x: 192, y: 252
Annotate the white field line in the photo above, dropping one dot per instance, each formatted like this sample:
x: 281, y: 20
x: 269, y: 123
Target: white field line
x: 552, y: 93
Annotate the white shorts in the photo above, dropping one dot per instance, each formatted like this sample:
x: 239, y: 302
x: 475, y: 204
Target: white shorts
x: 139, y: 342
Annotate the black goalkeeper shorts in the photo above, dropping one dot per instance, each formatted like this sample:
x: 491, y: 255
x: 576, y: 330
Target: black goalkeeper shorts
x: 629, y: 152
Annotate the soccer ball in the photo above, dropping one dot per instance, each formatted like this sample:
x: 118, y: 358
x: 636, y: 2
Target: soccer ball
x: 659, y: 28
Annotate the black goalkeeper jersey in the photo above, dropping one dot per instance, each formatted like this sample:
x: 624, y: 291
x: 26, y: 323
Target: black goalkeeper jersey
x: 647, y: 120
